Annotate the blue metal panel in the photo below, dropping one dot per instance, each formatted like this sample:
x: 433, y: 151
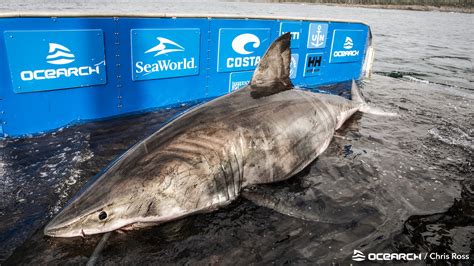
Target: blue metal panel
x: 347, y: 46
x: 55, y: 59
x: 165, y: 53
x: 39, y: 111
x: 169, y: 41
x: 146, y: 94
x: 328, y: 73
x: 218, y: 81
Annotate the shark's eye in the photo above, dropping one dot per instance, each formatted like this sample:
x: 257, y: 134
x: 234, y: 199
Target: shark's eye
x: 102, y: 215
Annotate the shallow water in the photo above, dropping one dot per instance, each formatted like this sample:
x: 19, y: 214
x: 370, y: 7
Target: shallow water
x: 390, y: 185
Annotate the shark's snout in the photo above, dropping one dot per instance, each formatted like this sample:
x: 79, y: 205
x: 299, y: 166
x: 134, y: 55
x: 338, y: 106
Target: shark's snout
x: 52, y: 230
x: 58, y: 228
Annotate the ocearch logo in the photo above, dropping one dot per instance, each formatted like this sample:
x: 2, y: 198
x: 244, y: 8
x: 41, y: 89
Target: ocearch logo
x: 348, y: 44
x: 358, y: 255
x: 240, y: 45
x: 165, y: 46
x: 59, y: 55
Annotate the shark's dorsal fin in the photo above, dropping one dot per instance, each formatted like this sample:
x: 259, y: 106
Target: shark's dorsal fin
x: 273, y: 72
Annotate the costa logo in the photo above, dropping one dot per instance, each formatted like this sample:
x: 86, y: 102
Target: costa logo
x: 241, y: 49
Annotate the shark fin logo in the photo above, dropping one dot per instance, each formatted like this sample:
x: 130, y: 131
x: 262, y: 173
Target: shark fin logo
x: 165, y: 46
x: 348, y: 44
x: 59, y: 54
x: 240, y: 42
x: 358, y: 255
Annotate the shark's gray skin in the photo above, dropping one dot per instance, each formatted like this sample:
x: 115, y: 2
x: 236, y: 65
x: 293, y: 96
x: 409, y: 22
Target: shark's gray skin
x: 265, y: 132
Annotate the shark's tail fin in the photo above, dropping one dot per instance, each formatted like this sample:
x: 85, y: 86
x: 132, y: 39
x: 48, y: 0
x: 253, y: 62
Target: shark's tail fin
x: 364, y: 107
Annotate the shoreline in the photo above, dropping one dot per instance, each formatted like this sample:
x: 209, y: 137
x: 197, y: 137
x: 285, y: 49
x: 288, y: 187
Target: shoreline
x: 465, y: 10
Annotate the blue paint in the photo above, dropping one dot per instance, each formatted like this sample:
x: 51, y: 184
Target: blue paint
x: 55, y: 59
x: 136, y: 96
x: 348, y: 46
x: 45, y: 108
x: 165, y: 53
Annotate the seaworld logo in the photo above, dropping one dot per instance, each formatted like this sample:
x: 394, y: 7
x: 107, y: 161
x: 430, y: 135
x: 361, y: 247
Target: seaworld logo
x: 240, y: 45
x: 60, y: 55
x: 165, y: 46
x: 165, y: 53
x: 162, y: 48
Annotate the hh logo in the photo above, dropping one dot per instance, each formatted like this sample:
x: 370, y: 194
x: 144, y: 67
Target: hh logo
x: 165, y: 53
x: 313, y: 64
x: 52, y: 64
x: 358, y: 255
x: 59, y: 54
x: 241, y: 49
x: 347, y: 46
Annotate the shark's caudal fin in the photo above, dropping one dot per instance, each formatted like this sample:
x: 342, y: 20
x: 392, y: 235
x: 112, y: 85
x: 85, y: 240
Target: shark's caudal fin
x: 273, y: 72
x: 365, y: 108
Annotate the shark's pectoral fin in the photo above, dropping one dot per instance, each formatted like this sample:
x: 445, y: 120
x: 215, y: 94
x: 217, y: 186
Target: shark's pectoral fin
x: 296, y: 207
x: 273, y: 72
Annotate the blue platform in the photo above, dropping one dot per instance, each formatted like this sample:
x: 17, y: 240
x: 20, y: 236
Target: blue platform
x: 57, y: 71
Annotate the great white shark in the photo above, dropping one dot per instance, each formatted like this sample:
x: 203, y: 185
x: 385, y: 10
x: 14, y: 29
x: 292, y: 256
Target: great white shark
x: 263, y: 133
